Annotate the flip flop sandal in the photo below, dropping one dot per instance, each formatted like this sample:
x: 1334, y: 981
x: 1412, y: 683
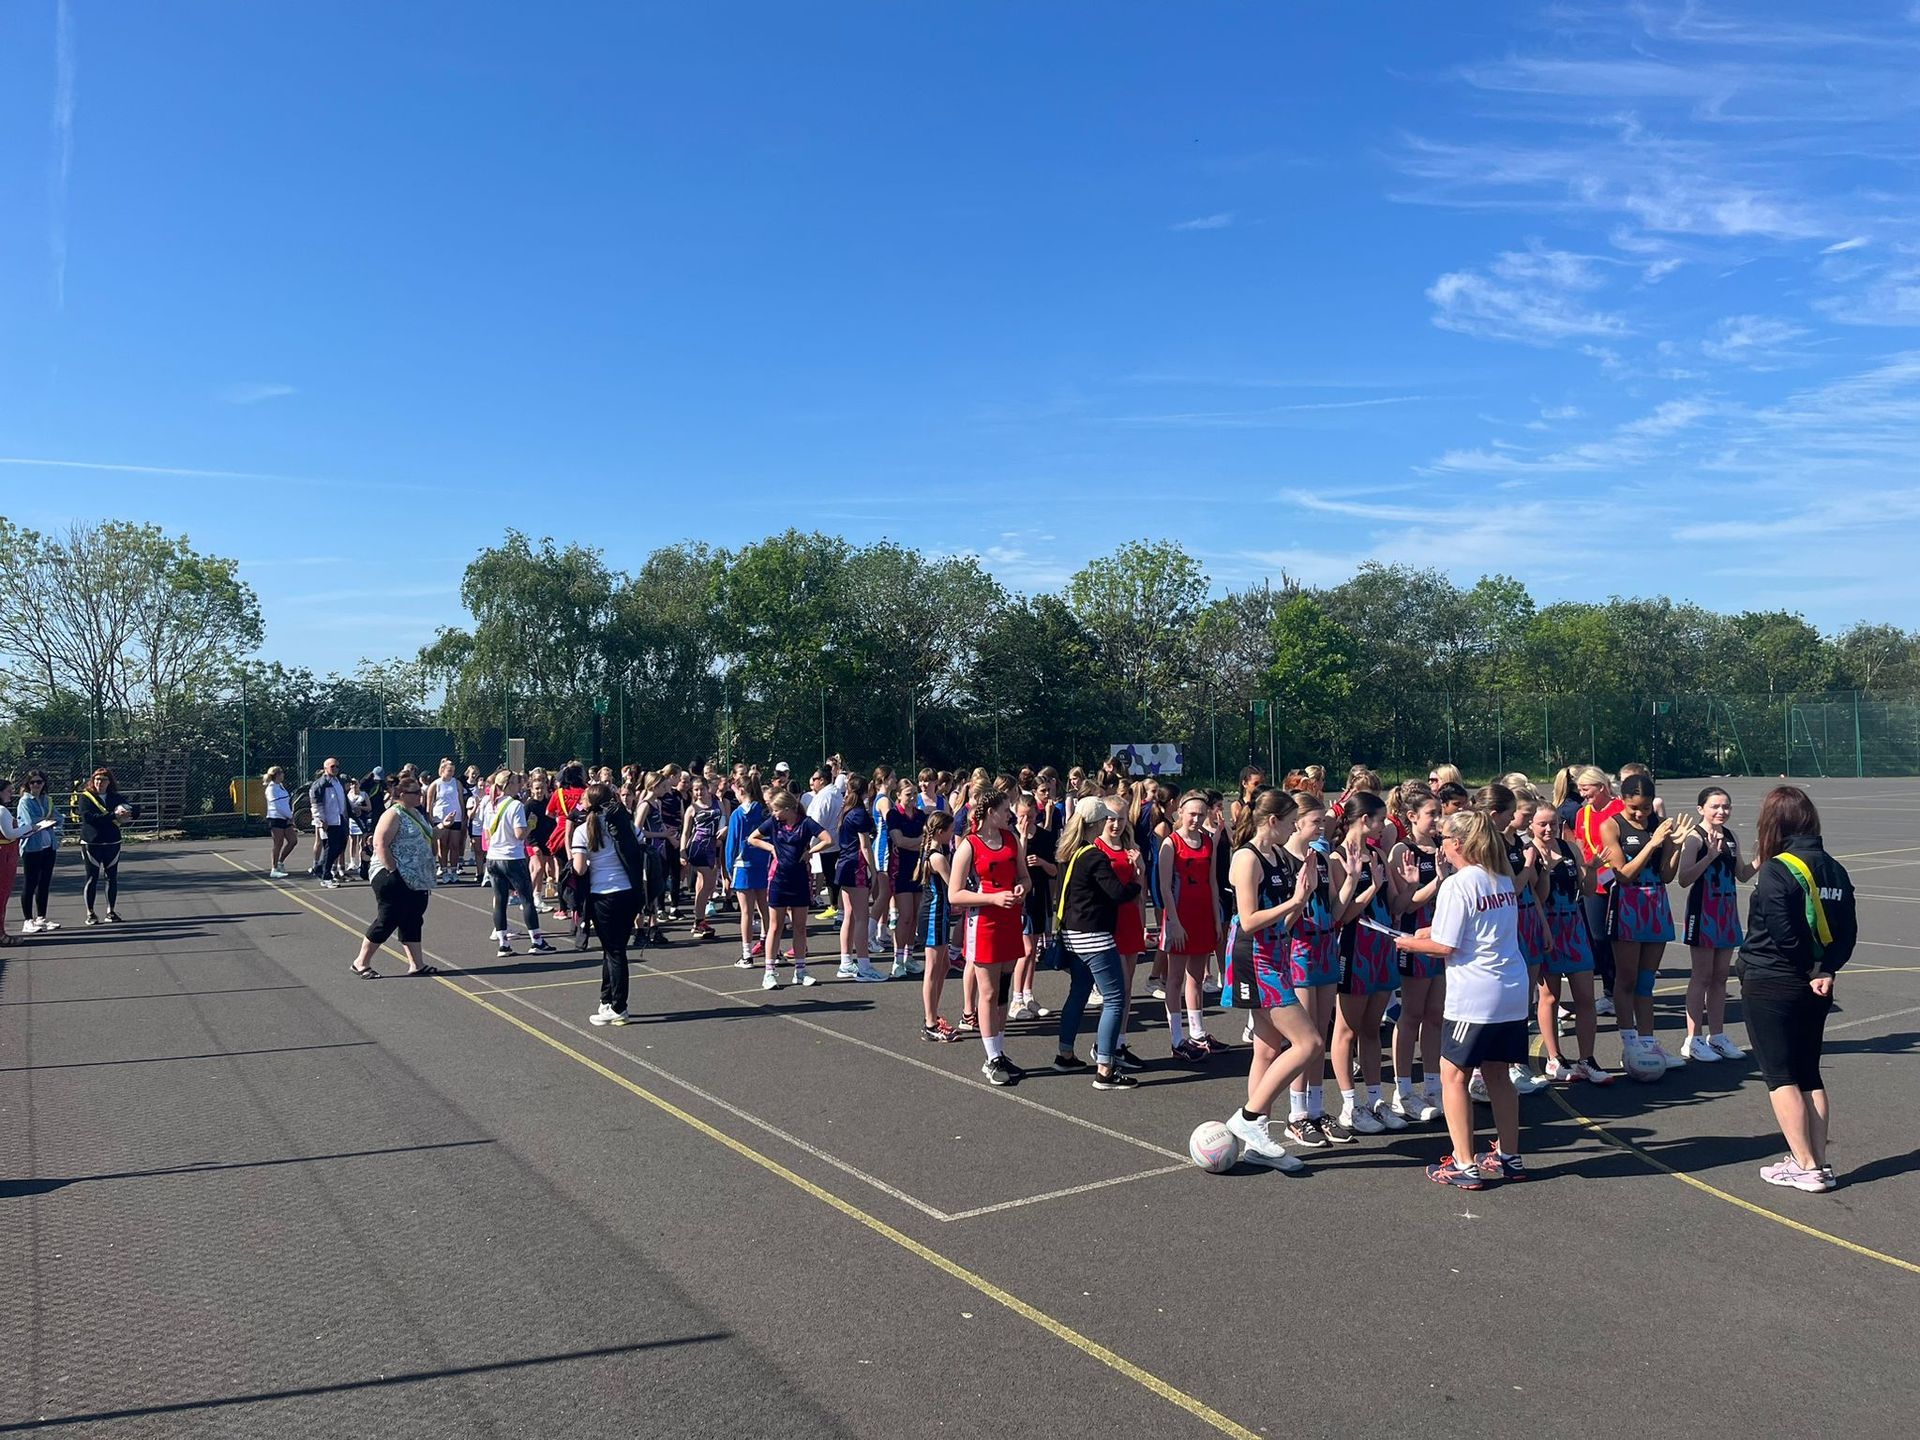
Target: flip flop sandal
x: 364, y: 972
x: 424, y: 970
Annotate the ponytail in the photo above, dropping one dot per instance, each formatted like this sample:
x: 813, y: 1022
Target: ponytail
x: 1275, y: 804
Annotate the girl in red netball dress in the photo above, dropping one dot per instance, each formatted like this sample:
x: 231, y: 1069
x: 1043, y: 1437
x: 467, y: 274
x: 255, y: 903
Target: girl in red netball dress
x: 989, y: 890
x: 1190, y: 927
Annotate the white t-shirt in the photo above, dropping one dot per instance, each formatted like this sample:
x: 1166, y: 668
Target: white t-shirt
x: 446, y: 800
x: 605, y: 873
x: 503, y: 817
x: 1477, y: 914
x: 825, y: 806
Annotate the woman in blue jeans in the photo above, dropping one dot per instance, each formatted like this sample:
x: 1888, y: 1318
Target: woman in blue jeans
x: 1091, y: 895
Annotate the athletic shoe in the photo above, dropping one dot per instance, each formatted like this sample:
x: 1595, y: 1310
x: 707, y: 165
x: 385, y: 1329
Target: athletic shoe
x: 1021, y: 1010
x: 745, y: 962
x: 940, y: 1030
x: 1041, y: 1012
x: 1209, y: 986
x: 916, y: 968
x: 1525, y: 1080
x: 702, y: 931
x: 866, y: 974
x: 1359, y: 1119
x: 1158, y: 989
x: 1120, y: 1080
x: 1130, y: 1061
x: 1095, y: 999
x: 1560, y: 1072
x: 1496, y: 1166
x: 1673, y: 1061
x: 1212, y: 1044
x: 46, y: 924
x: 969, y: 1024
x: 1000, y: 1071
x: 1593, y: 1072
x: 1389, y: 1118
x: 769, y: 981
x: 1565, y: 1018
x: 848, y: 971
x: 802, y: 978
x: 1451, y: 1172
x: 1826, y: 1174
x: 880, y: 947
x: 506, y: 949
x: 900, y: 971
x: 31, y: 927
x: 1188, y: 1051
x: 1430, y: 1108
x: 329, y: 884
x: 1336, y: 1129
x: 1414, y: 1108
x: 1698, y: 1048
x: 276, y: 874
x: 1788, y: 1172
x: 1246, y: 1035
x: 92, y: 919
x: 1722, y: 1046
x: 1067, y: 1062
x: 829, y: 915
x: 1477, y: 1088
x: 713, y: 909
x: 603, y: 1016
x: 1306, y: 1132
x: 758, y: 947
x: 1603, y: 1005
x: 1257, y: 1138
x: 541, y: 947
x: 788, y: 954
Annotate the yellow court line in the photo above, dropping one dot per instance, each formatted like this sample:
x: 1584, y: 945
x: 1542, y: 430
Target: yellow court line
x: 1714, y: 1190
x: 1194, y: 1406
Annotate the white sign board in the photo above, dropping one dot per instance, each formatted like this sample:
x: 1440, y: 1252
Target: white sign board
x: 1150, y: 759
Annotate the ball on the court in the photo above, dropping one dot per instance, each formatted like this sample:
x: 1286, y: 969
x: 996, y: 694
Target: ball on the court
x: 1643, y: 1064
x: 1213, y: 1147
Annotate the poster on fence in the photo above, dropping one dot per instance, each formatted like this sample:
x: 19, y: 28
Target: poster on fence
x: 1150, y: 759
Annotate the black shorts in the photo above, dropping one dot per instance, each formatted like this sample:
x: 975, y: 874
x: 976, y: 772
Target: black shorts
x: 1786, y: 1025
x: 1467, y: 1044
x: 274, y: 822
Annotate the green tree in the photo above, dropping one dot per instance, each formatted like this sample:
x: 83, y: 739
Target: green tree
x: 1139, y: 605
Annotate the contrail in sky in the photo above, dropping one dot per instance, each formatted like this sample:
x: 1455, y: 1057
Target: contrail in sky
x: 62, y: 148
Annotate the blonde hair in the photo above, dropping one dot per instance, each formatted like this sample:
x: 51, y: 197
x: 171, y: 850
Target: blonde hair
x: 1089, y: 815
x: 1593, y: 775
x: 1480, y: 844
x: 274, y: 772
x: 1445, y: 775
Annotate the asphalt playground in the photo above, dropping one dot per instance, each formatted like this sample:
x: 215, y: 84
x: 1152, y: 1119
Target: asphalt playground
x: 244, y: 1193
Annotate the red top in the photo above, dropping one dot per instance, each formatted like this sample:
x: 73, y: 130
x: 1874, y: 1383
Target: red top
x: 1193, y: 900
x: 995, y: 936
x: 1586, y: 829
x: 560, y: 805
x: 1129, y: 932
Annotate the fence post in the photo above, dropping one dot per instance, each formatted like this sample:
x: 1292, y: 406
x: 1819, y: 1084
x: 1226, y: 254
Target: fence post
x: 246, y: 791
x: 1213, y: 718
x: 1273, y: 758
x: 1786, y: 737
x: 1449, y: 727
x: 1546, y: 726
x: 1499, y: 734
x: 1859, y: 760
x: 1593, y: 742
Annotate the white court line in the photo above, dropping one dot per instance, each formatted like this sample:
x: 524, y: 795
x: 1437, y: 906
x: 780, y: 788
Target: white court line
x: 1876, y: 895
x: 1887, y: 944
x: 1069, y: 1190
x: 835, y: 1161
x: 1873, y: 1019
x: 1870, y: 854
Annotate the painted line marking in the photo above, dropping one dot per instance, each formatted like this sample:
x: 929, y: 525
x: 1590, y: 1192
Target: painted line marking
x: 1874, y: 1019
x: 1704, y: 1188
x: 1069, y: 1190
x: 1119, y: 1364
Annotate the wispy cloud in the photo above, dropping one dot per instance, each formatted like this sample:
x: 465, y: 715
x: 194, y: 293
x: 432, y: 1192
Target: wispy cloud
x: 252, y: 392
x: 1628, y: 446
x: 62, y: 168
x: 1532, y: 296
x: 35, y: 462
x: 1841, y: 246
x: 1269, y: 415
x: 1756, y: 340
x: 1207, y: 222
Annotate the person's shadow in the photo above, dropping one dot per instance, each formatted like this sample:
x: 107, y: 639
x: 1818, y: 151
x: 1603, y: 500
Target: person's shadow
x: 1885, y: 1168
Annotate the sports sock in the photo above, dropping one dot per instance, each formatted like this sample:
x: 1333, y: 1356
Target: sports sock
x: 1373, y: 1095
x: 1347, y: 1105
x: 1403, y: 1086
x: 1628, y: 1035
x: 1315, y: 1107
x: 1175, y: 1030
x: 1433, y: 1088
x: 1296, y: 1105
x: 1196, y: 1023
x: 996, y: 1046
x: 1251, y: 1117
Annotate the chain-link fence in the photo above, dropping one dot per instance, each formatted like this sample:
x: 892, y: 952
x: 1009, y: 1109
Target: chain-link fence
x: 213, y: 769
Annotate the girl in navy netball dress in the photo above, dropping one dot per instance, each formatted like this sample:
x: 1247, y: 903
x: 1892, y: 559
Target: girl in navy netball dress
x: 1711, y: 867
x: 1285, y: 1042
x: 905, y: 824
x: 700, y: 852
x: 792, y: 839
x: 1368, y: 972
x: 1314, y: 960
x: 1639, y: 918
x: 931, y: 875
x: 1570, y: 948
x: 853, y: 878
x: 1415, y: 867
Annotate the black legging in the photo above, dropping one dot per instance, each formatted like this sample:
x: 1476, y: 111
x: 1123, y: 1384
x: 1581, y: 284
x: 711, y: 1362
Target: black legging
x: 102, y: 860
x: 336, y: 847
x: 400, y: 907
x: 513, y: 875
x: 613, y: 916
x: 37, y: 868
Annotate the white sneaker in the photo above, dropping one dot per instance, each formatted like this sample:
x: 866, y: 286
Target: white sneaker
x: 802, y: 978
x: 1021, y: 1010
x: 1096, y: 998
x: 1603, y: 1006
x: 1360, y: 1119
x: 1525, y: 1080
x: 745, y: 962
x: 1210, y: 986
x: 1593, y: 1072
x: 881, y: 947
x: 1652, y: 1043
x: 866, y: 974
x: 276, y: 874
x: 1411, y: 1107
x: 1261, y: 1147
x: 769, y: 981
x: 1477, y: 1088
x: 31, y: 927
x: 1722, y: 1046
x: 1560, y: 1072
x: 1158, y: 989
x: 1246, y: 1035
x: 1389, y: 1118
x: 1565, y: 1019
x: 849, y: 970
x: 329, y: 884
x: 1698, y: 1048
x: 901, y: 970
x: 603, y: 1016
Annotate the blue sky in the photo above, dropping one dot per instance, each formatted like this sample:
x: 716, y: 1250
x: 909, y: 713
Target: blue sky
x: 1618, y: 298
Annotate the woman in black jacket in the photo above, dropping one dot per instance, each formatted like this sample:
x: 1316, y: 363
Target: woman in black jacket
x: 1091, y: 895
x: 98, y: 809
x: 1801, y: 929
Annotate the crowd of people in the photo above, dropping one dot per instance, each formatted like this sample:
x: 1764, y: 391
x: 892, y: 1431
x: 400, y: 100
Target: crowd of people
x: 1397, y: 946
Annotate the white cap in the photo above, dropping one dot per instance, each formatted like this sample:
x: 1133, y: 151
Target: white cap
x: 783, y: 768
